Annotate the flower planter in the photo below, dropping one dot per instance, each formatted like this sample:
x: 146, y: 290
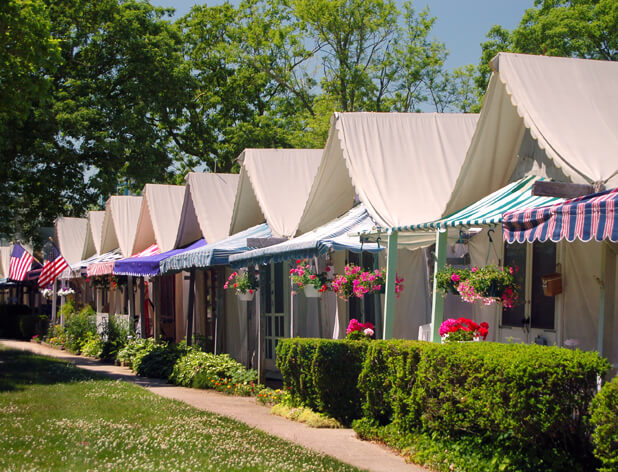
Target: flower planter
x: 246, y: 297
x: 311, y: 291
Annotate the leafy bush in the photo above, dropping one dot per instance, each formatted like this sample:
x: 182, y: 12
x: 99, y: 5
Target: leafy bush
x: 127, y: 354
x: 604, y: 419
x: 157, y: 360
x: 205, y: 370
x: 27, y: 325
x: 115, y: 335
x: 92, y: 346
x: 322, y: 374
x: 78, y: 327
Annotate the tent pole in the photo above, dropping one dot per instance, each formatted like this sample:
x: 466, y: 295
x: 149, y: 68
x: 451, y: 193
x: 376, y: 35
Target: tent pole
x: 131, y: 310
x: 607, y: 300
x: 437, y: 305
x: 391, y: 274
x: 190, y: 306
x: 54, y: 308
x: 142, y: 309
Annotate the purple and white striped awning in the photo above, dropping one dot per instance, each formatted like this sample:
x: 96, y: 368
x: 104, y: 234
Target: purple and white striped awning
x: 591, y: 217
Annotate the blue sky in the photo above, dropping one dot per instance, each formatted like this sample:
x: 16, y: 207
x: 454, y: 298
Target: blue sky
x: 461, y: 24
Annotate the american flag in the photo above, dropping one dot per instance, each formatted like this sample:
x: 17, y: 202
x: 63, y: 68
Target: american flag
x: 21, y: 261
x: 53, y: 267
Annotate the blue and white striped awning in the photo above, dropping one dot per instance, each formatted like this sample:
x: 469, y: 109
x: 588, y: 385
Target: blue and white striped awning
x: 489, y: 210
x: 333, y: 235
x: 216, y: 253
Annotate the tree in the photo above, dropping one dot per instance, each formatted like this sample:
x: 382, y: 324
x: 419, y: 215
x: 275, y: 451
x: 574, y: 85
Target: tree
x: 99, y: 126
x: 570, y: 28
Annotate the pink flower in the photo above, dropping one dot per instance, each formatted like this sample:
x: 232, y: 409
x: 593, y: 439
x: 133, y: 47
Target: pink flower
x: 368, y: 332
x: 455, y: 278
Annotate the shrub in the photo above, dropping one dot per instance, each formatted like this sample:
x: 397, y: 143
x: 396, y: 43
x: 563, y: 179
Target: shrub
x: 322, y: 374
x: 127, y: 354
x: 27, y: 326
x: 78, y: 327
x: 92, y: 346
x: 604, y: 419
x: 199, y: 369
x: 157, y: 360
x: 115, y: 335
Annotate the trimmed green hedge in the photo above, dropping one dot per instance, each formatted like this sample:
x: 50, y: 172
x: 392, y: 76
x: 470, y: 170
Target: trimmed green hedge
x: 322, y: 374
x: 604, y: 419
x: 530, y: 401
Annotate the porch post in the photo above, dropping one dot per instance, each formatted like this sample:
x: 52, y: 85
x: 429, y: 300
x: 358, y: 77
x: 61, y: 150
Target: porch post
x: 190, y: 307
x: 54, y: 307
x: 437, y: 305
x: 389, y: 299
x: 607, y: 300
x: 260, y: 307
x: 156, y: 310
x: 142, y: 308
x: 131, y: 310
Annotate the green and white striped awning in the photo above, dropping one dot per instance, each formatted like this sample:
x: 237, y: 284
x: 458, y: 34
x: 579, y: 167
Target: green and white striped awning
x: 488, y: 210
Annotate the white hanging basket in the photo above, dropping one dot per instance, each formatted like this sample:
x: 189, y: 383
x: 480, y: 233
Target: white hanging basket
x: 246, y: 297
x: 311, y: 291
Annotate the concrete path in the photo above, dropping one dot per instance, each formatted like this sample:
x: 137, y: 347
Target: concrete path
x: 341, y: 444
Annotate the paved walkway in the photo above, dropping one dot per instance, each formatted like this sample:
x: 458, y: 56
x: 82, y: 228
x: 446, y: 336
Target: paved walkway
x: 341, y: 444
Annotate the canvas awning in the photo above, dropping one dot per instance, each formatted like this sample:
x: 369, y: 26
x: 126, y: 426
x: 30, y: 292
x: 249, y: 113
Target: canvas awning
x: 71, y: 237
x: 107, y: 267
x: 217, y: 253
x: 274, y: 186
x: 159, y: 217
x: 93, y: 234
x: 591, y: 217
x: 568, y: 106
x: 207, y: 207
x: 333, y: 235
x: 5, y: 259
x: 149, y: 265
x: 120, y: 223
x: 402, y: 166
x: 99, y: 265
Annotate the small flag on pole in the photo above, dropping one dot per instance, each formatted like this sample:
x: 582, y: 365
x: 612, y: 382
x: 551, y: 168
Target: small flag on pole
x: 21, y: 262
x: 54, y: 266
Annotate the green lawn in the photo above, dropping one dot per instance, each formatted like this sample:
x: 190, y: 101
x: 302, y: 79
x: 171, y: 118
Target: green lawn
x: 54, y: 416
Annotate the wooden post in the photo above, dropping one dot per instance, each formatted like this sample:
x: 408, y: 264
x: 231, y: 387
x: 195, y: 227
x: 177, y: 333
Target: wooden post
x: 218, y: 280
x: 260, y: 308
x: 156, y: 310
x: 437, y: 305
x: 131, y: 309
x: 190, y: 307
x: 607, y: 300
x: 142, y: 308
x: 54, y: 302
x: 391, y: 274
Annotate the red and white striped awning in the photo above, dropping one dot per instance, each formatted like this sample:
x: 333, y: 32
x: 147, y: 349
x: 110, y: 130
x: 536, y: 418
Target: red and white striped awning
x: 591, y: 217
x: 106, y: 267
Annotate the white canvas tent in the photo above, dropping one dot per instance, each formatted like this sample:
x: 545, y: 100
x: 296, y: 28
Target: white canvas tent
x: 548, y: 116
x: 159, y: 217
x: 207, y: 207
x: 402, y: 167
x: 274, y: 185
x: 5, y: 259
x: 120, y: 224
x: 71, y: 237
x: 556, y: 118
x: 93, y: 234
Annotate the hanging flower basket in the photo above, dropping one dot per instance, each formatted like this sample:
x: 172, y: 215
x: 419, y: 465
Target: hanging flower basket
x: 246, y: 297
x: 312, y: 282
x: 311, y: 291
x: 244, y: 282
x: 356, y: 282
x: 488, y: 284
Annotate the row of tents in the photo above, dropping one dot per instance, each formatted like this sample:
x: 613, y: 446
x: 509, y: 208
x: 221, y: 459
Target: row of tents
x: 408, y: 192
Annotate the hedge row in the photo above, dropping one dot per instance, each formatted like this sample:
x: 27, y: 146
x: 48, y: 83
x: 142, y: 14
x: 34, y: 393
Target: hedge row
x: 604, y: 418
x: 533, y: 398
x: 323, y: 375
